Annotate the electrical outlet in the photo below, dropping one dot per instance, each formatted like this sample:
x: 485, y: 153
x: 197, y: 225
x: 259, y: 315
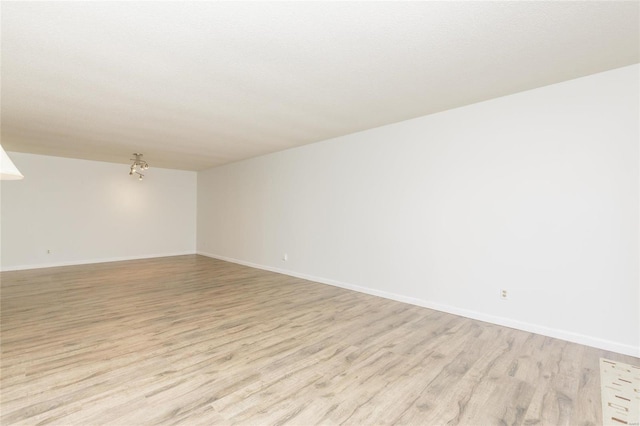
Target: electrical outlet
x: 285, y: 257
x: 504, y: 295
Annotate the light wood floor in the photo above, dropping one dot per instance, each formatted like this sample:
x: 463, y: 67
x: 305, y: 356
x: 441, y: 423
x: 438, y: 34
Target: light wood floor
x: 192, y: 340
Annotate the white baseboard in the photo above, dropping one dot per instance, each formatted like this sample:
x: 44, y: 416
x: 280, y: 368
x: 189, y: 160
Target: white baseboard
x: 89, y: 261
x: 480, y: 316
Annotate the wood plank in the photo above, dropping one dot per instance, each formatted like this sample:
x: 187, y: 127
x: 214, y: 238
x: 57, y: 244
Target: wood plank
x: 193, y: 340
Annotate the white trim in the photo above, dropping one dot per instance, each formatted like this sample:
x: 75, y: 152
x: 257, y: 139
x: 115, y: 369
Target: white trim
x: 582, y: 339
x: 85, y: 262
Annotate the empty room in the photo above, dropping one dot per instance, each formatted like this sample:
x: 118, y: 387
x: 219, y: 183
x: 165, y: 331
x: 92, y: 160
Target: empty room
x: 320, y: 213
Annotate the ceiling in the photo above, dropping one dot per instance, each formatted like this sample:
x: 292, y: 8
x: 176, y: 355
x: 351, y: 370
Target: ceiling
x: 193, y: 85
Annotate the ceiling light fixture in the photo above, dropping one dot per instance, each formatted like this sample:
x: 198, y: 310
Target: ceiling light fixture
x: 8, y: 170
x: 138, y: 165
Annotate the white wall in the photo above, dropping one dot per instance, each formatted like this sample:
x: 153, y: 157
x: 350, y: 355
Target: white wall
x: 89, y: 211
x: 536, y: 193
